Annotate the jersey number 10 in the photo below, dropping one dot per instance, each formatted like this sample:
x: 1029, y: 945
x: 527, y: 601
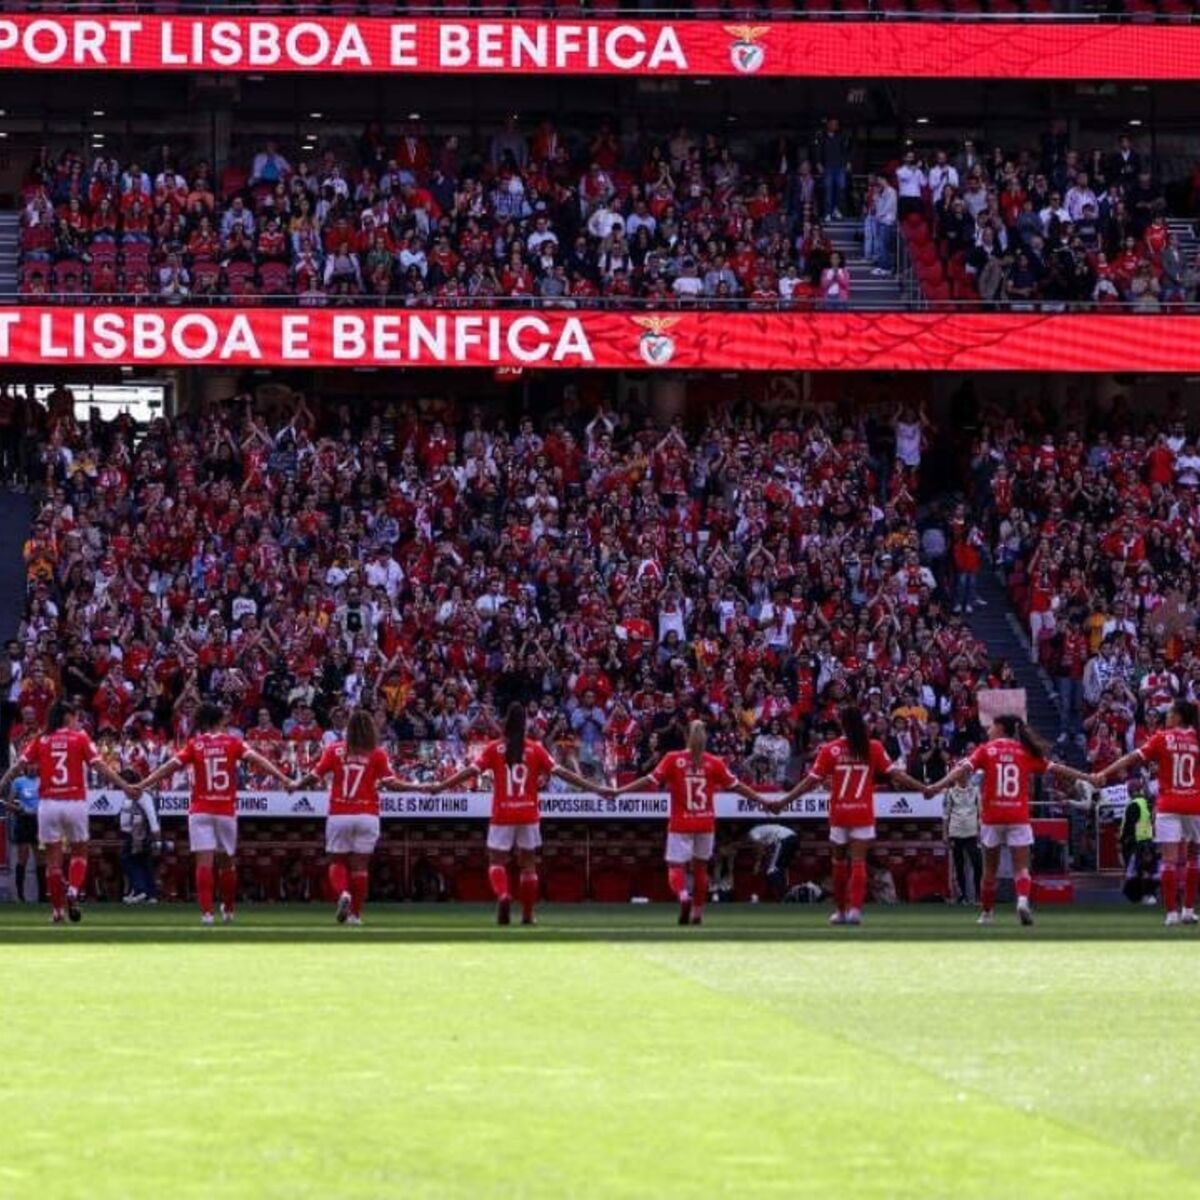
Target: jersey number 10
x: 1183, y: 771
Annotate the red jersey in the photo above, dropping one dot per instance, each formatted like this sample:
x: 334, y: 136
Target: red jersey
x: 1008, y: 770
x: 213, y: 758
x: 693, y: 789
x: 62, y: 758
x: 355, y: 790
x: 515, y: 786
x: 1174, y: 752
x: 852, y: 783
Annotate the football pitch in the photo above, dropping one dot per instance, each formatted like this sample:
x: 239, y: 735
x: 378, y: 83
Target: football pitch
x: 605, y: 1052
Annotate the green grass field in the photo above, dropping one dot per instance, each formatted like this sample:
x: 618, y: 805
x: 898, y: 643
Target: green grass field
x: 603, y: 1053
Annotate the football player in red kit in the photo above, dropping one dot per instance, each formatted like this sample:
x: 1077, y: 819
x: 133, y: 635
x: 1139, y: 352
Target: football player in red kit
x: 518, y: 766
x: 692, y: 778
x: 1174, y: 751
x: 1009, y: 760
x: 62, y: 755
x: 850, y: 765
x: 359, y: 767
x: 213, y: 755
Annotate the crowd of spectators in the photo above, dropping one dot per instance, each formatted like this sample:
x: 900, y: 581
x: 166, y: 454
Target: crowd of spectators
x: 537, y: 215
x: 616, y: 573
x: 1097, y: 536
x: 1051, y: 225
x: 564, y: 217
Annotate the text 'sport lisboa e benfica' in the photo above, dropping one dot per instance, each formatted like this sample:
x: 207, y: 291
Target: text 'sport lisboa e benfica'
x: 812, y: 49
x: 621, y: 340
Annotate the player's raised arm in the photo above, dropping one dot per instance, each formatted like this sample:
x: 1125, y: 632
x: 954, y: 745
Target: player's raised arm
x: 393, y: 783
x: 748, y: 793
x: 578, y: 782
x: 1062, y: 771
x: 107, y: 772
x: 1097, y: 779
x: 461, y: 776
x: 903, y: 781
x: 302, y: 783
x: 264, y: 764
x: 163, y: 771
x: 644, y: 783
x: 959, y: 774
x: 810, y: 781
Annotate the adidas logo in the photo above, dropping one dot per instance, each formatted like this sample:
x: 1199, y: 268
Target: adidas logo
x: 899, y: 807
x: 303, y: 806
x: 102, y: 805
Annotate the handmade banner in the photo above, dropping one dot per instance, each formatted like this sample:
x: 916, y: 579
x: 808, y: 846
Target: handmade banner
x: 572, y: 806
x: 811, y: 49
x: 582, y: 338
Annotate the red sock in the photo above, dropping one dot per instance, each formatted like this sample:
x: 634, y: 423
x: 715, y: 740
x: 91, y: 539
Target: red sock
x: 1024, y: 886
x: 987, y: 895
x: 677, y: 880
x: 229, y: 888
x: 841, y: 879
x: 699, y: 884
x: 57, y: 889
x: 529, y: 893
x: 1191, y: 885
x: 858, y: 883
x: 204, y: 888
x: 339, y: 880
x: 358, y: 891
x: 498, y: 878
x: 78, y: 872
x: 1168, y: 886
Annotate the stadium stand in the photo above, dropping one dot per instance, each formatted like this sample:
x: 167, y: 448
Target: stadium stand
x: 601, y: 570
x: 614, y: 574
x: 1042, y: 226
x: 1096, y: 540
x: 579, y: 218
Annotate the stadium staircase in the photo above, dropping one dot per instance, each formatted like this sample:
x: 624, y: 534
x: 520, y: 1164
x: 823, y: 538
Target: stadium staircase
x: 997, y: 626
x: 1184, y: 230
x: 16, y: 511
x: 10, y: 230
x: 866, y: 290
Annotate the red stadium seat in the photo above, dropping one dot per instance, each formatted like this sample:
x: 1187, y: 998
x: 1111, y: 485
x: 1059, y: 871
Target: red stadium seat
x: 274, y: 277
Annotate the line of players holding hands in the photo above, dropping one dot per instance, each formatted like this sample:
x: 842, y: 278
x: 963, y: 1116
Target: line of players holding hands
x: 358, y: 768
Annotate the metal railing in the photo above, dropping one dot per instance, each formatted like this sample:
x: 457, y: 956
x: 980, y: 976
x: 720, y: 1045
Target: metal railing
x: 635, y: 304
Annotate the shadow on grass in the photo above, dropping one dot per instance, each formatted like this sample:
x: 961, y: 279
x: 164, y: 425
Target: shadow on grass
x: 389, y: 924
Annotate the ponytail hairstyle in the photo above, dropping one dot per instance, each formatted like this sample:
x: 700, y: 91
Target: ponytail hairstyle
x: 1188, y: 714
x: 854, y: 730
x: 1014, y: 727
x: 514, y: 734
x: 362, y: 734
